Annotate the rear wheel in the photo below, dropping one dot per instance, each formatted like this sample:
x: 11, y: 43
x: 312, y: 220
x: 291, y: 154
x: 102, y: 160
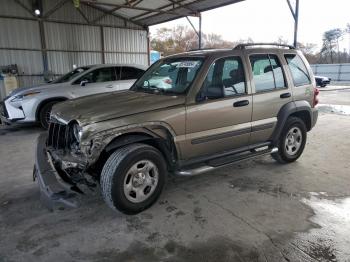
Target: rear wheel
x: 133, y: 178
x: 292, y: 141
x: 45, y: 112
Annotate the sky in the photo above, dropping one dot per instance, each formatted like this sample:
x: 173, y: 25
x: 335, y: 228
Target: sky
x: 267, y: 20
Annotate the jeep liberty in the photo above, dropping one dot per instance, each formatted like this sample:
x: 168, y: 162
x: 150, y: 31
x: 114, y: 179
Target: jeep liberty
x: 188, y: 114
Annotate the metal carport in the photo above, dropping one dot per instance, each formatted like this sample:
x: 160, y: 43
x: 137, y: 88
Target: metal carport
x: 84, y: 32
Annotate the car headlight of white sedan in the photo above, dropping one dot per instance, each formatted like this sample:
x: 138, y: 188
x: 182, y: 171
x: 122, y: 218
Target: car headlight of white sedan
x: 20, y: 97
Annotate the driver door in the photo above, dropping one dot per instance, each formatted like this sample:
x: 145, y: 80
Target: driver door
x: 220, y: 120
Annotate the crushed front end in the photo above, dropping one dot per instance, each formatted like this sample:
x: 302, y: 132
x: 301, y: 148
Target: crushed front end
x: 60, y: 166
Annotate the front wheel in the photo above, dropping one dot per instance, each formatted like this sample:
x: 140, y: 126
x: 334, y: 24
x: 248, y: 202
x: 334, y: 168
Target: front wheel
x: 292, y: 141
x: 133, y: 178
x: 45, y: 112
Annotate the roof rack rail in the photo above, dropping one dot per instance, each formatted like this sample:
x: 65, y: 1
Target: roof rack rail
x: 203, y: 49
x: 243, y: 46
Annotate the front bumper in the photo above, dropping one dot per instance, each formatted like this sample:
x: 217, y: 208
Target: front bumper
x: 54, y: 192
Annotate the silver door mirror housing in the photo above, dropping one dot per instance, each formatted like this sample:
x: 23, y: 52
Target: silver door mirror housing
x: 84, y: 82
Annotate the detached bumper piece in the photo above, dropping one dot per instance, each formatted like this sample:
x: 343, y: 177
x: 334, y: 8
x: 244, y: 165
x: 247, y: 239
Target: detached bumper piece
x: 54, y: 192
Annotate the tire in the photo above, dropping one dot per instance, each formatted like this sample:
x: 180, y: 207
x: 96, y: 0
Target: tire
x: 290, y: 148
x: 126, y: 184
x: 44, y: 114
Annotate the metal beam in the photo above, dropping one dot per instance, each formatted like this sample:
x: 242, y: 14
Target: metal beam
x: 55, y: 8
x: 147, y: 13
x: 83, y: 15
x: 89, y: 4
x: 295, y: 14
x: 296, y: 20
x: 192, y: 25
x: 200, y: 32
x: 131, y: 7
x: 43, y: 47
x: 70, y: 51
x: 217, y: 5
x: 291, y: 8
x: 102, y: 45
x: 181, y: 5
x: 24, y: 7
x: 112, y: 11
x: 179, y: 16
x: 65, y: 22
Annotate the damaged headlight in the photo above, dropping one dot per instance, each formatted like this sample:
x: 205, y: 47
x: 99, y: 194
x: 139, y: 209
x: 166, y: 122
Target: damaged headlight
x: 75, y: 135
x: 77, y: 132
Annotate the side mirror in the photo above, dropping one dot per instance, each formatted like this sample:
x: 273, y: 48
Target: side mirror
x: 201, y: 97
x: 84, y: 82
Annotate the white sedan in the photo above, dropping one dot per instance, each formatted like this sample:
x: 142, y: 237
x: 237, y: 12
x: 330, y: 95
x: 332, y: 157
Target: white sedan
x: 25, y: 105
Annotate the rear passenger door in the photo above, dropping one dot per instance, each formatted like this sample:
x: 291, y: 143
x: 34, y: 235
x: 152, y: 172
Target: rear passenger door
x: 270, y: 92
x: 128, y: 75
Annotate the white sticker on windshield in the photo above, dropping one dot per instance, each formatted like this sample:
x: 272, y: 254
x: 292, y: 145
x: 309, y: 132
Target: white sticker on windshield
x: 187, y: 64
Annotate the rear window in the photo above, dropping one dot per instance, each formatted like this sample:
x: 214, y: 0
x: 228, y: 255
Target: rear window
x: 298, y: 70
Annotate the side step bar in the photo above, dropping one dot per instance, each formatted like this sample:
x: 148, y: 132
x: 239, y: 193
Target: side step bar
x: 224, y: 161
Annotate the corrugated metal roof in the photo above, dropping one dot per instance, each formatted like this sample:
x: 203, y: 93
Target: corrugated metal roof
x: 151, y: 12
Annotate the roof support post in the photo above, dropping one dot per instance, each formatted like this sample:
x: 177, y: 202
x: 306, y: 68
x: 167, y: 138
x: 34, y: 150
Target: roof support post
x: 43, y: 48
x: 295, y: 14
x: 102, y: 37
x: 200, y: 32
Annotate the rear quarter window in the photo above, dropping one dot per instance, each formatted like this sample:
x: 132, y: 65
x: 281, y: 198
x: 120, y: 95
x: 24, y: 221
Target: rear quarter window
x: 298, y: 70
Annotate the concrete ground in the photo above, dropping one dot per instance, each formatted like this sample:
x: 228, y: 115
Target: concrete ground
x: 256, y: 210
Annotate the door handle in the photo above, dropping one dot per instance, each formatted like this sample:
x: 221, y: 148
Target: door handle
x: 241, y: 103
x: 285, y: 95
x: 109, y: 86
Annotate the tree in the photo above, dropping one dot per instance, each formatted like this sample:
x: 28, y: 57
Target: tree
x: 181, y: 38
x: 308, y: 49
x: 281, y: 41
x: 215, y: 41
x: 347, y: 31
x: 330, y: 42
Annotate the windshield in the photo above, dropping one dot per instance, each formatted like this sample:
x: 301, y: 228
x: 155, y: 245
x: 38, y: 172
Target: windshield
x: 172, y: 76
x: 72, y: 74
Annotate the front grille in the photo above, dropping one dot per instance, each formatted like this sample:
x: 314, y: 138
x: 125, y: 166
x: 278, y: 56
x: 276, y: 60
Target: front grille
x: 57, y: 135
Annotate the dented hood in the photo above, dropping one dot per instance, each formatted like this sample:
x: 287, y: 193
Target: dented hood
x: 101, y: 107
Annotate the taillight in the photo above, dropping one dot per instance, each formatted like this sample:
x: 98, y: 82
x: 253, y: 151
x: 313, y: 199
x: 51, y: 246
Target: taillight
x: 316, y: 92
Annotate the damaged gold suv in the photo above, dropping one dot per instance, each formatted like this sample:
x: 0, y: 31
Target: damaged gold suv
x: 189, y: 113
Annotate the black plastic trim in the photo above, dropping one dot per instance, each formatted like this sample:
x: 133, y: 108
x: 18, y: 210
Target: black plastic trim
x: 289, y: 109
x: 221, y: 136
x: 262, y: 127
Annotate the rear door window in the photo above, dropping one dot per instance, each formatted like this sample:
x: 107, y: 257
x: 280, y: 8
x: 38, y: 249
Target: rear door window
x: 128, y: 73
x: 267, y: 72
x: 298, y: 70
